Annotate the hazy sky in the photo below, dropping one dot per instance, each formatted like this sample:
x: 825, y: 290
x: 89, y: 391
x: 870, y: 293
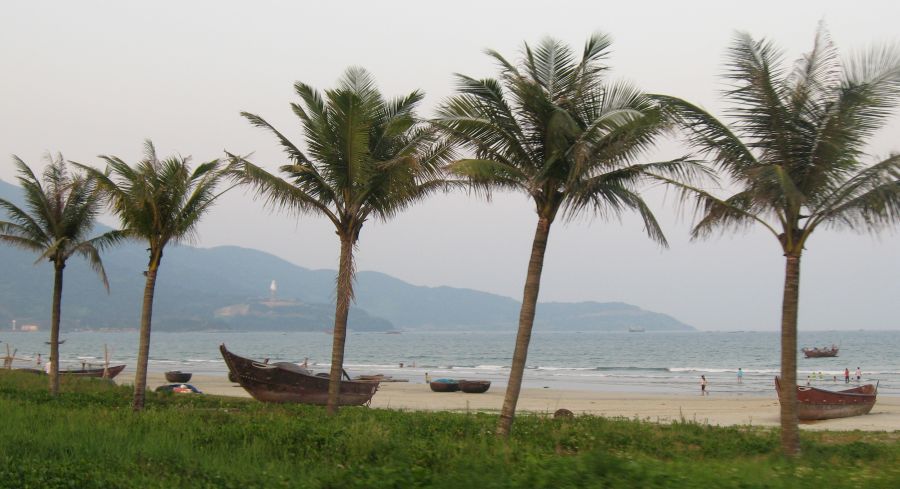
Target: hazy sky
x: 92, y: 77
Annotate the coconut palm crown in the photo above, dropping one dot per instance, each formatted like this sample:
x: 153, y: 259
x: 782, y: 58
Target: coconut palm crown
x: 366, y: 157
x: 160, y: 202
x: 551, y: 126
x: 60, y: 212
x: 795, y: 152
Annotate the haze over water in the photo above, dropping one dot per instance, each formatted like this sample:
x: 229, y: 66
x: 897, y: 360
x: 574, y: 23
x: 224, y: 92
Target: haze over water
x: 651, y: 362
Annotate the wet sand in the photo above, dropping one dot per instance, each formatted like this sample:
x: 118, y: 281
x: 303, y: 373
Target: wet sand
x: 723, y: 410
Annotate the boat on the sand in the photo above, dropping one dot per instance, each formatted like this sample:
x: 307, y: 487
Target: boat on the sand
x: 111, y: 372
x: 444, y: 385
x: 474, y: 386
x: 178, y: 377
x: 288, y: 382
x: 814, y: 403
x: 820, y: 352
x: 378, y: 378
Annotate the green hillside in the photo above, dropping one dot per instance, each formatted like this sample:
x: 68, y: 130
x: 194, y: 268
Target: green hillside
x: 228, y: 288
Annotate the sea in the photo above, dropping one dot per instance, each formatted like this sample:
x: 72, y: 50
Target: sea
x: 639, y: 362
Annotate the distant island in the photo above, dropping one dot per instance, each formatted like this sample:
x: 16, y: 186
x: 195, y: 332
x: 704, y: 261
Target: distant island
x: 228, y: 288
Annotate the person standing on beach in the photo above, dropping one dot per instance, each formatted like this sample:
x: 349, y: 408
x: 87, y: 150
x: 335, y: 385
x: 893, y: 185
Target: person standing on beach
x: 703, y: 386
x: 740, y: 375
x: 846, y: 375
x: 858, y: 374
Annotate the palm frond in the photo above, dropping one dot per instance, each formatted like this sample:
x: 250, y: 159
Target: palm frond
x: 92, y: 255
x: 490, y: 173
x: 710, y: 137
x: 293, y: 152
x: 20, y: 241
x: 277, y: 192
x: 869, y: 200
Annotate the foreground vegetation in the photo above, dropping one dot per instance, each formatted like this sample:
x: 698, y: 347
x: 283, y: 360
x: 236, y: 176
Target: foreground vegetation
x: 89, y: 437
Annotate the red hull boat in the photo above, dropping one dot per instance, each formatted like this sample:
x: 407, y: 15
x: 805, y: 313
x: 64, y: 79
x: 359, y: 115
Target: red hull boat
x: 814, y: 403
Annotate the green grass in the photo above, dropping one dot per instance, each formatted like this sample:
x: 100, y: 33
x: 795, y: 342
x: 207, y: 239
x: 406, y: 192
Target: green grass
x: 89, y: 438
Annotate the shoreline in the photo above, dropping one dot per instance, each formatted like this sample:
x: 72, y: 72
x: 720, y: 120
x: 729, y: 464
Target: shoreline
x: 716, y: 409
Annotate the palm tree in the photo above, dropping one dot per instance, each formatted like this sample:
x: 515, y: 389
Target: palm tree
x: 366, y: 157
x: 160, y: 202
x: 795, y: 154
x: 553, y: 128
x: 61, y: 209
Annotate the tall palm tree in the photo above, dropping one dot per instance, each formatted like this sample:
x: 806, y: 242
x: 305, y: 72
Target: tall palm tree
x: 795, y: 154
x: 365, y: 156
x: 554, y: 128
x: 160, y: 202
x: 61, y: 209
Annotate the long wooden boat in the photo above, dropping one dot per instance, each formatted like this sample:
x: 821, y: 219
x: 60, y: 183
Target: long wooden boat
x: 84, y: 372
x: 287, y: 382
x: 820, y: 352
x: 814, y: 403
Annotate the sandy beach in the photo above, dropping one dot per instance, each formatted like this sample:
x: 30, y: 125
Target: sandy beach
x: 723, y: 410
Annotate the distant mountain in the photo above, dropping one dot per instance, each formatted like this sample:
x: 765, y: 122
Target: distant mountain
x: 227, y: 288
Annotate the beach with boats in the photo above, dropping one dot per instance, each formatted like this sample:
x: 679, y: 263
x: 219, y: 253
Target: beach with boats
x: 138, y: 358
x: 653, y: 376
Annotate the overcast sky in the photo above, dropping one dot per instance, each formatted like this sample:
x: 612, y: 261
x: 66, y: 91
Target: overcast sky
x: 92, y: 77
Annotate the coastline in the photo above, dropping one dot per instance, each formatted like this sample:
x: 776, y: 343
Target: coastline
x: 716, y: 409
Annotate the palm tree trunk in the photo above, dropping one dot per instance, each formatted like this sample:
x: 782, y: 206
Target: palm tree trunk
x: 342, y: 311
x: 790, y: 431
x: 54, y: 328
x: 140, y: 377
x: 526, y: 322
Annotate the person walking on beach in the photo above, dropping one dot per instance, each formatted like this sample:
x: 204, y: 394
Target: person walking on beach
x: 703, y: 386
x: 858, y: 374
x: 740, y: 375
x: 846, y: 375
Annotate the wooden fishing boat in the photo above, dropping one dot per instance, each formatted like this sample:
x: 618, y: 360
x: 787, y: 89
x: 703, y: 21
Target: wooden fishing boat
x: 474, y: 386
x: 288, y: 382
x: 84, y: 372
x: 820, y: 352
x: 814, y: 403
x: 444, y: 385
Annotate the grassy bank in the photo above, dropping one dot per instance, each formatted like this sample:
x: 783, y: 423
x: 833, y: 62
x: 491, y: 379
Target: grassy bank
x: 90, y: 438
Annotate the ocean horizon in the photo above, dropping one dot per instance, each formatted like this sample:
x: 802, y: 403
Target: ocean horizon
x: 646, y: 362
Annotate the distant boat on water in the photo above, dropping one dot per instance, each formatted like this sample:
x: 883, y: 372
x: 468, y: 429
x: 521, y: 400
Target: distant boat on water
x: 635, y: 329
x: 820, y: 352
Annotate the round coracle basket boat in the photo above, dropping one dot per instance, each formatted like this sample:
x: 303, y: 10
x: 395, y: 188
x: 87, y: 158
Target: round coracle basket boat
x: 178, y: 376
x: 444, y: 385
x: 474, y: 386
